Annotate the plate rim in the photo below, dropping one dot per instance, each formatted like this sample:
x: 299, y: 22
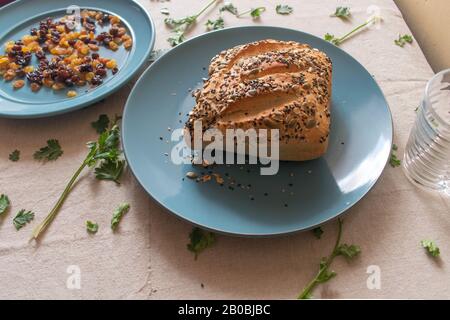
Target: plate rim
x: 126, y: 78
x: 177, y: 214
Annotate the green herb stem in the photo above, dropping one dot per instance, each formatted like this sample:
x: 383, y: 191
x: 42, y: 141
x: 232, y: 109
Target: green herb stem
x: 205, y: 8
x: 248, y: 11
x: 314, y: 282
x: 43, y: 226
x: 351, y: 33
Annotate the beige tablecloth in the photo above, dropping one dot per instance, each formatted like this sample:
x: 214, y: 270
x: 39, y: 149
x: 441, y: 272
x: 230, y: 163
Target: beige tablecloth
x: 147, y: 257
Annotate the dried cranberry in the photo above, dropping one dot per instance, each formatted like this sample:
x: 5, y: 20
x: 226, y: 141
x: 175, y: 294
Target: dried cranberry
x: 86, y: 68
x: 97, y: 80
x: 20, y: 73
x: 114, y: 31
x: 72, y: 42
x: 68, y: 82
x: 89, y: 26
x: 33, y: 32
x: 86, y: 40
x: 40, y: 55
x: 100, y: 72
x: 95, y: 55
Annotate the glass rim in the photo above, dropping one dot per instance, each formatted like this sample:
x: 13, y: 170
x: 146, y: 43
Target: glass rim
x: 427, y: 99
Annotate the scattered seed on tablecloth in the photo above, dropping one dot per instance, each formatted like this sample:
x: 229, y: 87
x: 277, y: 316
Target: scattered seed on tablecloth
x: 191, y: 175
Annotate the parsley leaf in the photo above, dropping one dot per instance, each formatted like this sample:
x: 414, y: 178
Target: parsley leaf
x: 317, y: 232
x: 342, y: 12
x: 431, y: 247
x: 14, y: 156
x: 110, y: 170
x: 200, y: 240
x: 284, y: 9
x: 121, y: 210
x: 394, y: 161
x: 402, y: 40
x: 105, y: 149
x: 50, y: 152
x: 256, y: 13
x: 228, y: 6
x: 164, y: 11
x: 348, y: 251
x: 331, y: 38
x: 325, y: 274
x: 101, y: 124
x: 4, y: 203
x: 215, y: 24
x: 91, y: 227
x: 22, y: 218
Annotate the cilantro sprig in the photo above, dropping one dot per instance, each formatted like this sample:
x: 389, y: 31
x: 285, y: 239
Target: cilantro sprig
x: 228, y: 6
x: 181, y: 26
x: 118, y: 214
x: 431, y: 248
x: 22, y: 218
x: 342, y: 12
x: 50, y: 152
x: 101, y: 124
x: 317, y: 232
x: 283, y: 9
x: 200, y: 240
x: 14, y: 156
x: 325, y: 274
x: 217, y: 24
x: 393, y: 160
x: 339, y: 40
x: 103, y: 152
x: 91, y: 227
x: 4, y: 203
x: 403, y: 39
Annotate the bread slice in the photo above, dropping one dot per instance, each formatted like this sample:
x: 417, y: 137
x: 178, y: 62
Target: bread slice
x: 270, y: 84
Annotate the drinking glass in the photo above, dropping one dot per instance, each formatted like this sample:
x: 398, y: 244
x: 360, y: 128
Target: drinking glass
x: 427, y: 155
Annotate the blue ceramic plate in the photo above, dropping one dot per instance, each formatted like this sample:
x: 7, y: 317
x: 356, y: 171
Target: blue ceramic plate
x: 20, y: 16
x: 303, y: 194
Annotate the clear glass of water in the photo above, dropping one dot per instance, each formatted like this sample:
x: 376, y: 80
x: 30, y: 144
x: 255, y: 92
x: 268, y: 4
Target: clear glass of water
x: 427, y: 156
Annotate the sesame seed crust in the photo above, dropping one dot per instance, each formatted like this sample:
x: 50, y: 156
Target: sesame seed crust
x: 270, y: 84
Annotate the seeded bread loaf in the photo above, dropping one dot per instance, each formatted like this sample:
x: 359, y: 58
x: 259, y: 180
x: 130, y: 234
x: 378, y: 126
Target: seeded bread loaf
x: 270, y: 84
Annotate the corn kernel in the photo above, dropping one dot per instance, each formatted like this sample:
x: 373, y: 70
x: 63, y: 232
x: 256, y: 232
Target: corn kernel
x: 35, y: 87
x: 48, y: 82
x: 128, y: 44
x: 28, y: 39
x: 9, y: 75
x: 58, y: 86
x: 18, y: 84
x: 126, y: 37
x: 93, y: 47
x: 28, y: 69
x: 89, y: 76
x: 61, y: 28
x: 114, y: 20
x: 71, y: 93
x: 4, y: 61
x: 111, y: 64
x: 84, y: 50
x: 113, y: 46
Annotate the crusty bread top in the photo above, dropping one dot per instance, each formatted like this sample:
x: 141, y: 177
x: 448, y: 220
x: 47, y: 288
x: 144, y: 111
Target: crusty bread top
x: 268, y: 84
